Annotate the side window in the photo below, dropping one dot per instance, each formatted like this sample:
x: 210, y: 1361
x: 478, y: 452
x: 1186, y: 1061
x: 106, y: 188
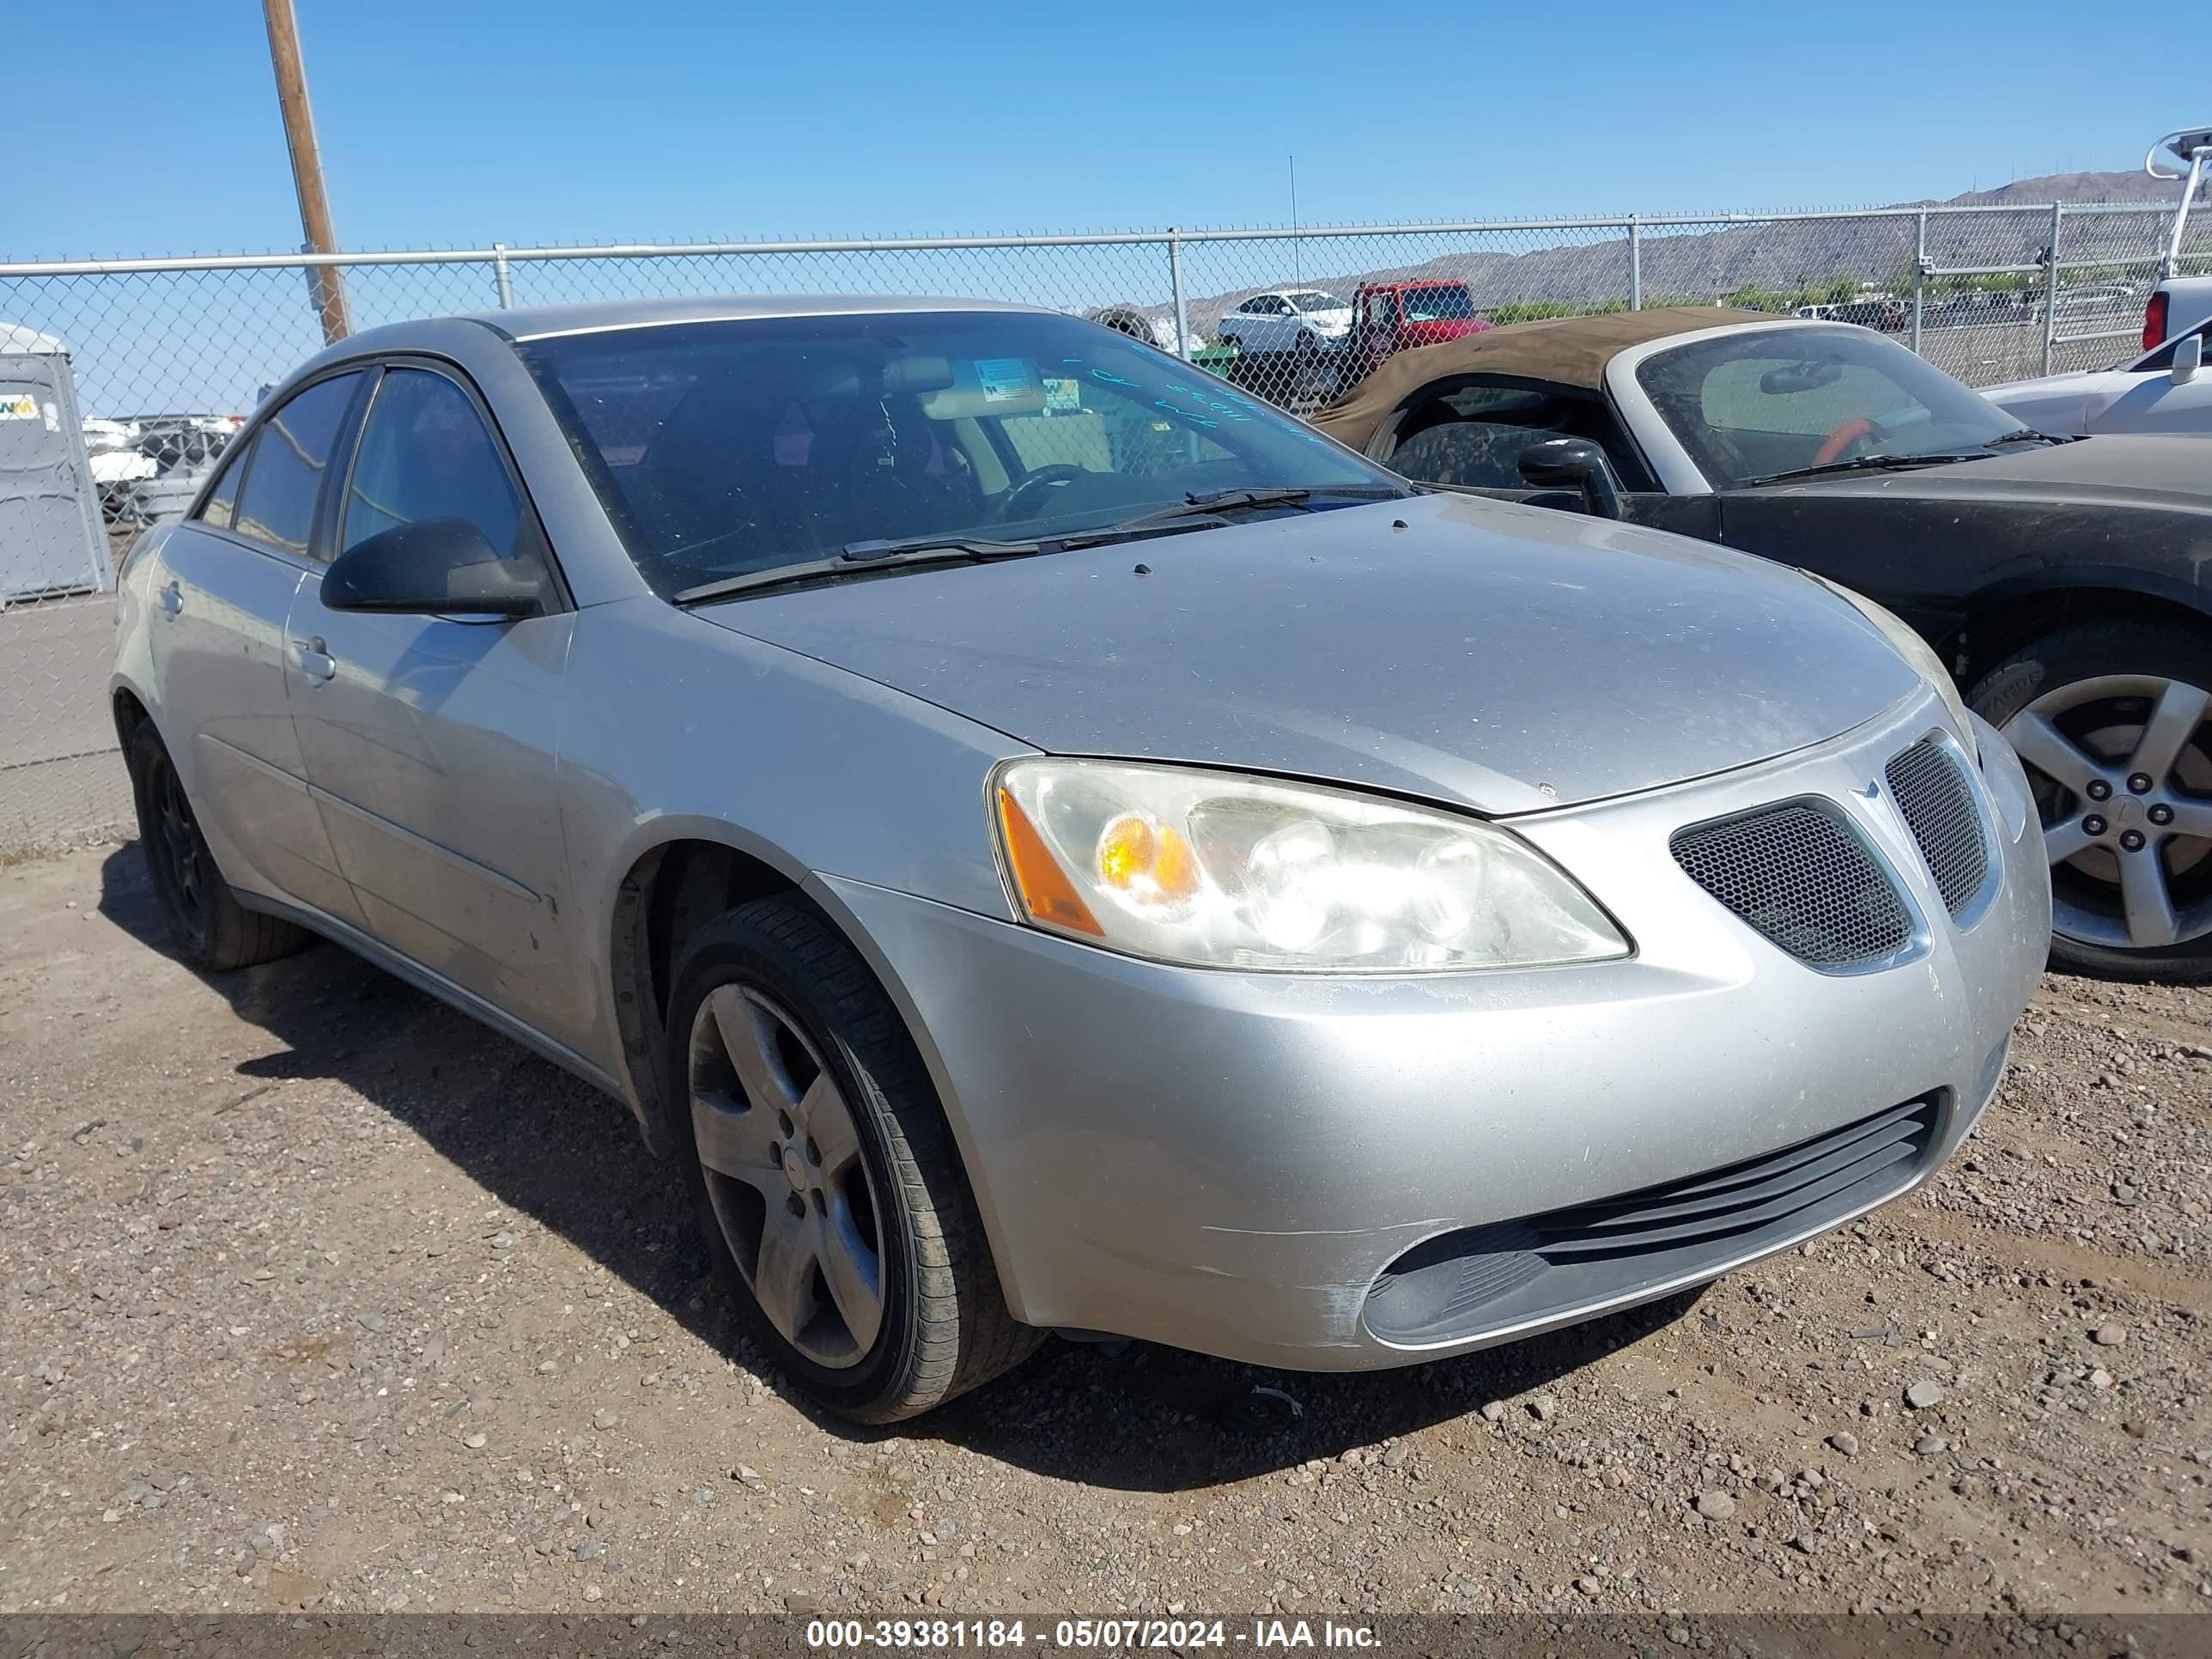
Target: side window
x: 1382, y: 310
x: 291, y: 455
x: 222, y: 506
x: 426, y: 454
x: 1476, y: 435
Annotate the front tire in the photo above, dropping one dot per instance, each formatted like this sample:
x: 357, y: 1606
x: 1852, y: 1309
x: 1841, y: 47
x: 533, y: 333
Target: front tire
x: 208, y: 927
x: 2114, y: 723
x: 831, y: 1197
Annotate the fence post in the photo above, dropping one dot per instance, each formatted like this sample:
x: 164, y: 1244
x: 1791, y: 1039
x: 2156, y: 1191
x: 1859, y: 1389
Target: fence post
x: 2050, y: 288
x: 1919, y: 276
x: 1175, y: 281
x: 1634, y: 262
x: 502, y: 275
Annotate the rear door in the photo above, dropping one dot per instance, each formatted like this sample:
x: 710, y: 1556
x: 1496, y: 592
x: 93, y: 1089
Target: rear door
x: 224, y: 587
x: 431, y: 741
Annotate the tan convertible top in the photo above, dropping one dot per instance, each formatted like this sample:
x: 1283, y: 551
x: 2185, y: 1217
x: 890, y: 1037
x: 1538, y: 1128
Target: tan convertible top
x: 1566, y: 350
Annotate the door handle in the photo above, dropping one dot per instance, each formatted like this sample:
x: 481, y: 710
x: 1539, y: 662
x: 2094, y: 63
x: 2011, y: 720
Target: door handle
x: 171, y: 601
x: 315, y: 659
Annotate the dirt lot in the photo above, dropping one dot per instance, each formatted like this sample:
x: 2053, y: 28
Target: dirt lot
x: 314, y: 1294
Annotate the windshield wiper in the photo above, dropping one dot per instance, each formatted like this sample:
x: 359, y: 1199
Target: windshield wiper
x: 2026, y: 435
x: 1215, y: 504
x: 1873, y: 464
x: 864, y: 558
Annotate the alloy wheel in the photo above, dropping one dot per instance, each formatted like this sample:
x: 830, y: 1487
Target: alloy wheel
x: 180, y: 842
x: 2122, y: 767
x: 780, y: 1149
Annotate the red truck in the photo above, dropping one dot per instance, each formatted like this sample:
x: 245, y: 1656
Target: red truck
x: 1392, y: 316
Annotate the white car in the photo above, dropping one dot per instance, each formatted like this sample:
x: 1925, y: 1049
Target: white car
x: 2163, y: 390
x: 1303, y: 320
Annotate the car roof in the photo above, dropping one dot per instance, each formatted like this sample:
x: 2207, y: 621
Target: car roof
x: 1571, y: 352
x: 539, y: 322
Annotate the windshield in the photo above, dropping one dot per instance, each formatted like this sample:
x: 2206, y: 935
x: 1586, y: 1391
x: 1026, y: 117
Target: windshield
x: 1438, y: 303
x: 1311, y: 300
x: 1757, y: 401
x: 727, y: 449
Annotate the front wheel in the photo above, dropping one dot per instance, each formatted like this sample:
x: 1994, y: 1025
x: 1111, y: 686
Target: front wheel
x: 832, y: 1198
x: 2114, y: 723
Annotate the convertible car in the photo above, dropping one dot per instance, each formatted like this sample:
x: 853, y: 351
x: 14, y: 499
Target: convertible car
x: 2066, y: 582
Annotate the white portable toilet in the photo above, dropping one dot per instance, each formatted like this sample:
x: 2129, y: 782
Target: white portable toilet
x: 51, y: 539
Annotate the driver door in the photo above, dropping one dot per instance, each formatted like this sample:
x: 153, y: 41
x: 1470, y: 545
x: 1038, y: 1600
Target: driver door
x: 430, y: 742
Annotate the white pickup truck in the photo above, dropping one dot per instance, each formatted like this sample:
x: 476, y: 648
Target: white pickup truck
x: 2163, y: 390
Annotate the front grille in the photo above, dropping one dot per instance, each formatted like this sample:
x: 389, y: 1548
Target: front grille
x: 1514, y: 1273
x: 1802, y: 879
x: 1931, y: 791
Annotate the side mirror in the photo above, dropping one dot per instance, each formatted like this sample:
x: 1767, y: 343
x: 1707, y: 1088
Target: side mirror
x: 433, y: 566
x: 1574, y: 464
x: 2188, y: 358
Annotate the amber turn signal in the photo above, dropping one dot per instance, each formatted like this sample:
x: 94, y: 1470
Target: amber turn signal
x: 1043, y: 890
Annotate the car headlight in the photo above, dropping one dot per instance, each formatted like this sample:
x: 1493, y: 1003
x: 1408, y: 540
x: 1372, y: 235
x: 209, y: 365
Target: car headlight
x: 1213, y: 869
x: 1916, y: 651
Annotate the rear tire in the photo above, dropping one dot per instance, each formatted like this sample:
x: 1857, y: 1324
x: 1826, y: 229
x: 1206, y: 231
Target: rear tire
x: 2114, y: 723
x: 811, y: 1135
x: 208, y: 927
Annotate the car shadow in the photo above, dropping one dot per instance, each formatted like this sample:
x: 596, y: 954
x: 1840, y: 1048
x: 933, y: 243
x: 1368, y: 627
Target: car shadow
x: 547, y: 1146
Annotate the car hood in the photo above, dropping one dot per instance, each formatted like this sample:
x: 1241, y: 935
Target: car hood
x: 2145, y: 471
x: 1505, y: 657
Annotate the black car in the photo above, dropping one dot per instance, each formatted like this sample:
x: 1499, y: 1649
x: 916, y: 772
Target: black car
x: 2067, y: 584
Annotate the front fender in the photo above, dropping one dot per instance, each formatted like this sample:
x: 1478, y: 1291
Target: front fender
x: 676, y: 729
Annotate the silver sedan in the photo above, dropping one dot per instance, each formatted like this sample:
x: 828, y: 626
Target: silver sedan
x: 1043, y: 841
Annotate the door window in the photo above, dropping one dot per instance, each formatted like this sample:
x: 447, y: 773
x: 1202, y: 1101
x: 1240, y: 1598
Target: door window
x: 426, y: 454
x: 222, y: 501
x: 1476, y: 435
x: 276, y: 503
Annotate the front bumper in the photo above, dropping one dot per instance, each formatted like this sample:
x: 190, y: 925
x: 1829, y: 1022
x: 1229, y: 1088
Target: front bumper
x: 1229, y: 1162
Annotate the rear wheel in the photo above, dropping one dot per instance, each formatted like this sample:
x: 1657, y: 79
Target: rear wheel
x: 2114, y: 723
x: 208, y: 926
x: 831, y: 1196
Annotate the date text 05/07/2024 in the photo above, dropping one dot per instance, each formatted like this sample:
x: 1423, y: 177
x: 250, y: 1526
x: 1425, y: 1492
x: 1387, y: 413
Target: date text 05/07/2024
x: 990, y: 1635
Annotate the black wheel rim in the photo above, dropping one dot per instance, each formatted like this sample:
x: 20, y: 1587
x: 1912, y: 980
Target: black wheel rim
x: 178, y: 852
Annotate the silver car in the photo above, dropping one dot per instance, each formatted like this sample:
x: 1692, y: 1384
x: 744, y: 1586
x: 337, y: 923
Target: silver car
x: 1044, y: 842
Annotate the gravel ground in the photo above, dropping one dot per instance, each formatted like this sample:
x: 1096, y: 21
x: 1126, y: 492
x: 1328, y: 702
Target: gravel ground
x: 314, y: 1295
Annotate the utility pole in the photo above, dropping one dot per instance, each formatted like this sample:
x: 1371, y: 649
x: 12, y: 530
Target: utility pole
x: 325, y: 283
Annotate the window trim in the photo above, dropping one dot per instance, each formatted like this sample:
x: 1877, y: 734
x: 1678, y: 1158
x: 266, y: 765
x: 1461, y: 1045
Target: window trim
x: 1384, y: 443
x: 235, y: 457
x: 529, y: 525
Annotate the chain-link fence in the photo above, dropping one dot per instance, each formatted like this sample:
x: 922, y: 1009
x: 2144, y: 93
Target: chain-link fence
x: 120, y: 381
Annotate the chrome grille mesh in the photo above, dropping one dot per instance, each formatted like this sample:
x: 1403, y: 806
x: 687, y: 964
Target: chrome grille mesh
x: 1802, y: 879
x: 1937, y: 802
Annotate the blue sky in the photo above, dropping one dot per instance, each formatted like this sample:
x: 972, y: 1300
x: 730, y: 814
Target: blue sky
x: 459, y: 122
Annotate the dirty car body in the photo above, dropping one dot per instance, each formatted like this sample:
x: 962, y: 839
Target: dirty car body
x: 2068, y: 585
x: 1012, y: 857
